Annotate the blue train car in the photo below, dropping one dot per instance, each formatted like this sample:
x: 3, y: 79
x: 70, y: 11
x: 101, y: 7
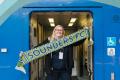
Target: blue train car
x: 20, y: 33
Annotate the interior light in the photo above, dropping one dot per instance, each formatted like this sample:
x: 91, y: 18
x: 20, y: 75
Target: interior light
x: 73, y: 20
x: 70, y: 24
x: 51, y: 20
x: 52, y: 24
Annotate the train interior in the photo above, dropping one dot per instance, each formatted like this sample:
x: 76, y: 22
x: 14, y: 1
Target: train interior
x: 41, y: 26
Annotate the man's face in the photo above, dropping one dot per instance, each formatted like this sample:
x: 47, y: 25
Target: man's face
x: 58, y: 32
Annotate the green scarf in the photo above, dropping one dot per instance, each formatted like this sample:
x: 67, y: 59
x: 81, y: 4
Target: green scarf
x: 47, y: 48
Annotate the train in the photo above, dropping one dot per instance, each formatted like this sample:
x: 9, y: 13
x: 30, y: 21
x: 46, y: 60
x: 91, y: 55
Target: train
x: 29, y: 26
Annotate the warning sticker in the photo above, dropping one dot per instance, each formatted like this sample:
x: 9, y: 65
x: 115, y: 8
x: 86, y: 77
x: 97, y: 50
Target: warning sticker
x: 111, y: 51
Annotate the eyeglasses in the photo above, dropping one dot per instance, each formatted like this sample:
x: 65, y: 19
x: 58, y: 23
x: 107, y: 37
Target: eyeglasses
x: 58, y: 29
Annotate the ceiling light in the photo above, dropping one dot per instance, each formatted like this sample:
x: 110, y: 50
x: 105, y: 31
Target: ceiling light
x: 72, y: 20
x: 51, y: 20
x: 70, y: 24
x: 52, y: 24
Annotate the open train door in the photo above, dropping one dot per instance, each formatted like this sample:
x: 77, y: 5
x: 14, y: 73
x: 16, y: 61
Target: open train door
x: 40, y: 29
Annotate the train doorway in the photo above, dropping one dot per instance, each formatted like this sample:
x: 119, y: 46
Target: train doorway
x: 41, y: 27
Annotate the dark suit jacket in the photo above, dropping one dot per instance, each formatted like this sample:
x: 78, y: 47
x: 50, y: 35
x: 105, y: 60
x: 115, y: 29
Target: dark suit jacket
x: 68, y: 50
